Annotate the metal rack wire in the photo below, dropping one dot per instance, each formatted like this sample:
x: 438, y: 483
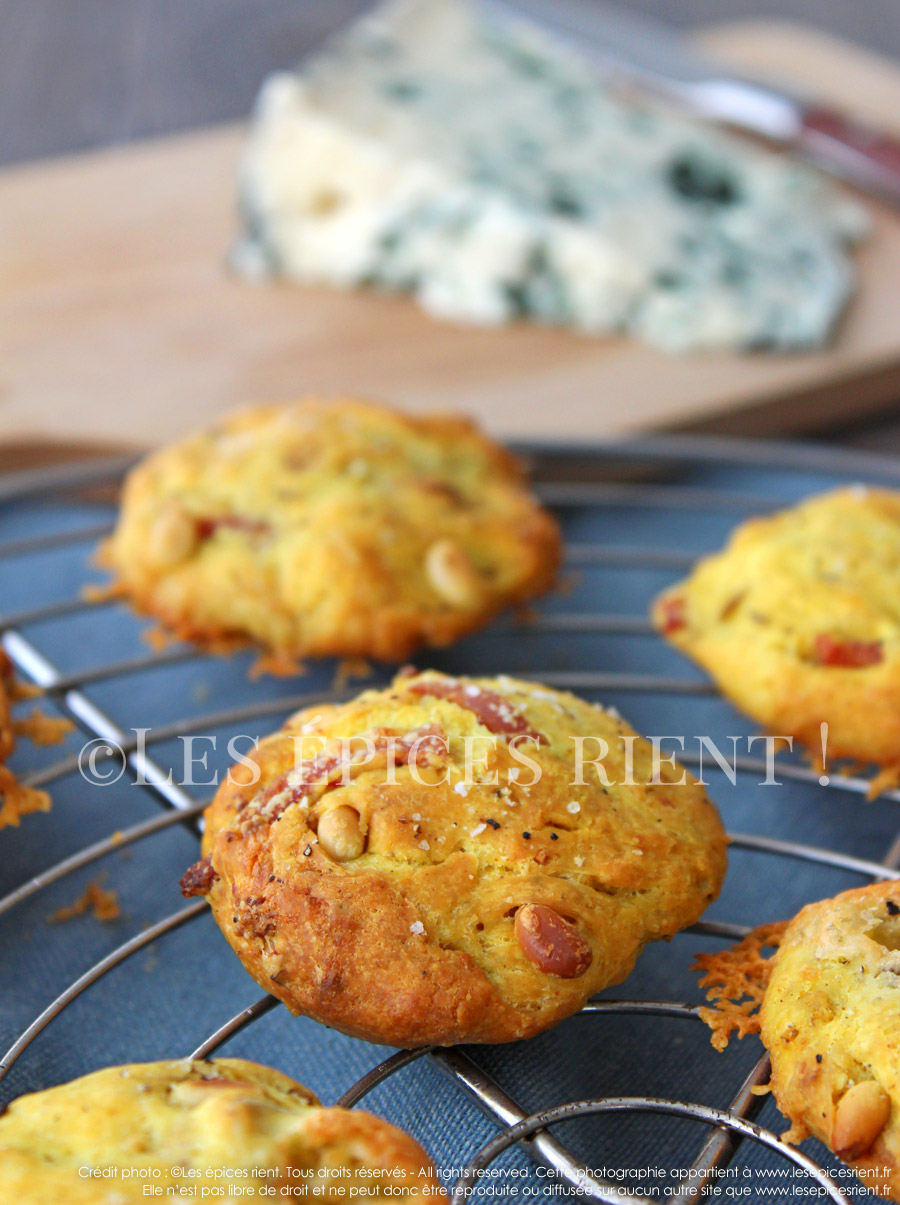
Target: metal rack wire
x: 582, y: 488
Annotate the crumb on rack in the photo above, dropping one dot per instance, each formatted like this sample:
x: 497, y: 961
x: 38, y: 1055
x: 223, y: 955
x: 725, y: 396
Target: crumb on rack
x: 736, y: 979
x: 17, y: 800
x: 103, y: 903
x: 526, y: 613
x: 97, y: 592
x: 43, y: 729
x: 158, y: 638
x: 568, y: 583
x: 887, y: 778
x: 350, y: 667
x: 280, y: 665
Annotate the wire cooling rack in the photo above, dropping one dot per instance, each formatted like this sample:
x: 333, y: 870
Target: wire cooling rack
x: 635, y: 516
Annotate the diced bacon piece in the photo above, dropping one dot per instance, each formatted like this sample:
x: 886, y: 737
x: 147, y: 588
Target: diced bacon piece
x: 327, y: 771
x: 847, y: 654
x: 674, y: 614
x: 299, y: 781
x: 440, y: 489
x: 319, y: 771
x: 7, y: 672
x: 421, y: 744
x: 210, y: 524
x: 198, y: 879
x: 492, y: 709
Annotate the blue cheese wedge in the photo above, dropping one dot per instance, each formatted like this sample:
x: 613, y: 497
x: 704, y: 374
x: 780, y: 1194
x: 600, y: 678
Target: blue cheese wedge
x: 493, y: 175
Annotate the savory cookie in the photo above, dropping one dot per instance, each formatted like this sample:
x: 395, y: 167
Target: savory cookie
x: 17, y: 799
x: 798, y: 620
x: 223, y: 1122
x: 421, y: 866
x: 331, y: 527
x: 830, y: 1019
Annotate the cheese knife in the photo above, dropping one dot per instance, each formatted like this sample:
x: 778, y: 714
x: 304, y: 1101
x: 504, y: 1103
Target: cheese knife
x: 638, y: 50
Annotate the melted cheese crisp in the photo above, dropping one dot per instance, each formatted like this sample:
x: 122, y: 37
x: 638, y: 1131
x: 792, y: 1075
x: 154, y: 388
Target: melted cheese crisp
x: 493, y: 175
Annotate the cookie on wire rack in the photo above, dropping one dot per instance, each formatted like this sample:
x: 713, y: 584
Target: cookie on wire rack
x: 827, y: 1006
x: 330, y: 527
x: 177, y: 1125
x: 428, y: 864
x: 798, y: 621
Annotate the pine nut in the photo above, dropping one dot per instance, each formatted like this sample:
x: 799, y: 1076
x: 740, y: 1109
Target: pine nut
x: 172, y: 537
x: 859, y: 1118
x: 340, y: 834
x: 452, y: 574
x: 552, y: 943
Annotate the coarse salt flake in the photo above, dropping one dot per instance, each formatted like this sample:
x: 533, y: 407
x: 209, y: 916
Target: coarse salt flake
x: 477, y: 830
x: 573, y: 807
x: 417, y: 927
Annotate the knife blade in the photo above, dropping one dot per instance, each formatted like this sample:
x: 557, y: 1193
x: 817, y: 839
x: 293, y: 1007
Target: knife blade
x: 636, y: 49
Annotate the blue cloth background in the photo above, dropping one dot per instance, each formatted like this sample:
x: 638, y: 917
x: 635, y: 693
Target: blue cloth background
x: 162, y: 1002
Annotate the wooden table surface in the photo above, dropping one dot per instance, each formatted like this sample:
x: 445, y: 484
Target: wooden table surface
x: 96, y: 73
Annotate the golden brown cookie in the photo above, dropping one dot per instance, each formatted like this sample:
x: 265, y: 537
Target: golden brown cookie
x: 16, y: 799
x: 830, y: 1019
x: 100, y: 1139
x: 331, y: 527
x: 798, y: 621
x: 372, y: 880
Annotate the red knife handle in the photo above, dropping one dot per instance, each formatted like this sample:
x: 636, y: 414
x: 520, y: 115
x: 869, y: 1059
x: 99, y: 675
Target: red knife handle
x: 859, y: 153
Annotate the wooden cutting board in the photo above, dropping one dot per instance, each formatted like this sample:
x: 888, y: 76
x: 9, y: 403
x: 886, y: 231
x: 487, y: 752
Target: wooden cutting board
x: 120, y: 324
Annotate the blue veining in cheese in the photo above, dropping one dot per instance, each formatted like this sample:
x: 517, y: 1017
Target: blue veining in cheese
x: 494, y: 176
